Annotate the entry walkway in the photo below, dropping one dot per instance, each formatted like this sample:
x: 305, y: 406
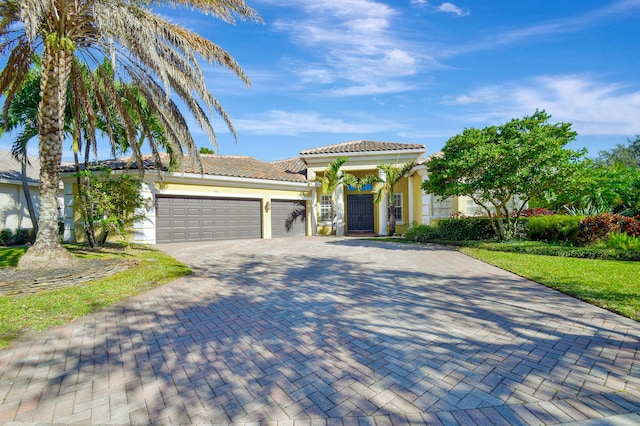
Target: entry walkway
x: 330, y: 331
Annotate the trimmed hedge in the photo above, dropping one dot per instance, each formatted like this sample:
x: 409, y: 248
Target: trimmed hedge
x: 585, y: 252
x: 422, y: 233
x: 20, y: 237
x: 552, y: 228
x: 470, y: 228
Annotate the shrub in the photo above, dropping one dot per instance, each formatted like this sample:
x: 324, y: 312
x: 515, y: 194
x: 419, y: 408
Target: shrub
x: 546, y: 249
x: 24, y: 236
x: 597, y: 228
x: 552, y: 228
x: 6, y: 237
x: 421, y: 233
x: 20, y: 237
x: 470, y: 228
x: 623, y: 241
x: 540, y: 211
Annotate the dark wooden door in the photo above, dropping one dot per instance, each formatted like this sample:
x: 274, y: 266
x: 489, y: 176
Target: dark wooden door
x: 360, y: 212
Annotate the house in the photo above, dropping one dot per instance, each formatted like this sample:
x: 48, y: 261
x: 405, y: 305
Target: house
x: 234, y: 197
x: 14, y: 213
x: 231, y: 197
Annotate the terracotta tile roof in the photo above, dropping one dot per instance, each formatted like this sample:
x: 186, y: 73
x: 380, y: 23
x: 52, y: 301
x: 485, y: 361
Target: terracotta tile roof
x: 10, y: 169
x: 245, y: 167
x: 424, y: 160
x: 212, y: 164
x: 124, y: 163
x: 361, y: 146
x: 292, y: 165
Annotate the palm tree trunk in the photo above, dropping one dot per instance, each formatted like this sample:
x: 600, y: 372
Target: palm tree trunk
x: 392, y: 215
x: 47, y: 252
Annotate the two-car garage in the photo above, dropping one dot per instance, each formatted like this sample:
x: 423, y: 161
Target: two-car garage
x: 187, y: 218
x: 217, y: 198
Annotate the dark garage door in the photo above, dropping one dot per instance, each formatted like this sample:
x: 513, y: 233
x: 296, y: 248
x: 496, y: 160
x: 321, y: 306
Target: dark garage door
x: 200, y: 219
x: 288, y: 218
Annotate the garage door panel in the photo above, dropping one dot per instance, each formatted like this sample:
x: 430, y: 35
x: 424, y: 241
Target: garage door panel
x: 288, y: 218
x: 198, y: 219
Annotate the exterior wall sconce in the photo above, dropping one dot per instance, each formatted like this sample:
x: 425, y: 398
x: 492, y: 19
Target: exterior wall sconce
x: 148, y: 202
x: 267, y: 206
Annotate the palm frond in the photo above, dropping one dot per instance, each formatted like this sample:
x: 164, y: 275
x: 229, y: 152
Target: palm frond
x: 227, y: 10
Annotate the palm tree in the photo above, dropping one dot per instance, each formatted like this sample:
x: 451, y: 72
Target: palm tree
x: 22, y: 115
x: 142, y: 47
x: 332, y: 178
x: 386, y: 187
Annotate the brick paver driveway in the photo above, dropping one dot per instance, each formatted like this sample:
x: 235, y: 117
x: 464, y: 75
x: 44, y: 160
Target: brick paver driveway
x: 330, y: 331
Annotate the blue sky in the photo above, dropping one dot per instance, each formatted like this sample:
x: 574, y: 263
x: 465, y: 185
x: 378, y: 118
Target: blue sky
x: 419, y: 71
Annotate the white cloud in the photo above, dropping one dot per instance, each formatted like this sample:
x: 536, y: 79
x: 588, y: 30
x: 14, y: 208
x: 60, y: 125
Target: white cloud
x: 373, y: 89
x: 452, y: 8
x: 485, y: 95
x: 354, y: 43
x: 593, y: 107
x: 279, y: 122
x: 316, y: 75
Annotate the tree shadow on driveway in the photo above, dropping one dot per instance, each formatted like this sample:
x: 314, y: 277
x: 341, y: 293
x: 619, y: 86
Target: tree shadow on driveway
x: 345, y: 330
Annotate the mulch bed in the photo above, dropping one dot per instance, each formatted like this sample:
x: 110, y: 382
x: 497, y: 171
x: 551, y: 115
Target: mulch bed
x: 20, y: 282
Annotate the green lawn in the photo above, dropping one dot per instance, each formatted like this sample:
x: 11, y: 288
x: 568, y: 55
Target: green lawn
x: 610, y: 284
x: 20, y: 315
x: 9, y: 255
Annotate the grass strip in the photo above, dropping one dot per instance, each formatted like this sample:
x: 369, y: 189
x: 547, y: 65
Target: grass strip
x: 26, y: 314
x: 9, y: 256
x: 610, y: 284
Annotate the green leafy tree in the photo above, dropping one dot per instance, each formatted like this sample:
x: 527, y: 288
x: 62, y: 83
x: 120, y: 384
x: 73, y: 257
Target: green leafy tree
x: 386, y: 187
x: 594, y: 188
x: 71, y: 33
x: 628, y: 155
x: 205, y: 150
x: 502, y: 167
x: 114, y: 200
x: 610, y: 183
x: 624, y: 165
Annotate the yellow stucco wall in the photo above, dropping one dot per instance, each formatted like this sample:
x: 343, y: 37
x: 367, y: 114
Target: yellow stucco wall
x: 402, y: 187
x: 190, y: 189
x: 181, y: 189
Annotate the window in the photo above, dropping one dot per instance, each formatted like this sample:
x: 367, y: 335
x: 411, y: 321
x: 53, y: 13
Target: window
x: 474, y: 209
x: 397, y: 207
x: 441, y: 208
x: 325, y: 208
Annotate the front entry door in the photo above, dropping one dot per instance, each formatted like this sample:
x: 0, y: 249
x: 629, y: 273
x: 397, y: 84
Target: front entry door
x: 359, y: 212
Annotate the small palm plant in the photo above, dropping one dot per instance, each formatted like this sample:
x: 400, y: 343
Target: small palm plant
x: 386, y: 187
x: 334, y: 177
